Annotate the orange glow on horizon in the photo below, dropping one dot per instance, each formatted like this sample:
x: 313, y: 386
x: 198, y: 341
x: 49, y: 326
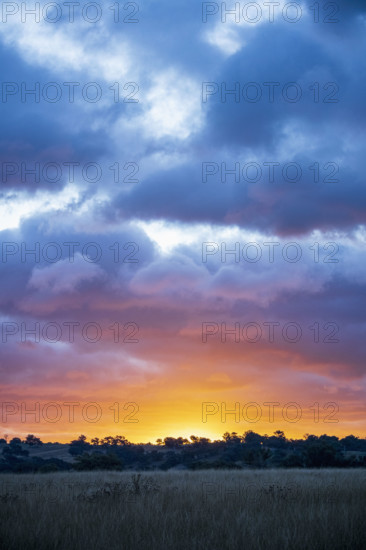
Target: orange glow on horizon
x: 177, y: 419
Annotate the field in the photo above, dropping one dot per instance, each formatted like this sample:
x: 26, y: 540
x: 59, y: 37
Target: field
x: 202, y: 510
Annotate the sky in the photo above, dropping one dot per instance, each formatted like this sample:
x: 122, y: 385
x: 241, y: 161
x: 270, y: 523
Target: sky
x: 182, y: 226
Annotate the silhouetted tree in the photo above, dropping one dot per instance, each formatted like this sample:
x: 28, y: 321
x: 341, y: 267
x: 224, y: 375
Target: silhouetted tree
x: 322, y: 452
x: 175, y: 443
x: 252, y: 438
x: 79, y: 446
x: 31, y: 440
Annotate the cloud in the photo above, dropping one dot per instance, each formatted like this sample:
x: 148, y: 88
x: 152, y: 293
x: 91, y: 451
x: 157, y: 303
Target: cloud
x: 229, y: 171
x: 64, y: 277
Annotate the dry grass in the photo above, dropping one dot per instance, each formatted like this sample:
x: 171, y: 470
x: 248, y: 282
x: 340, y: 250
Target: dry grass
x: 206, y: 510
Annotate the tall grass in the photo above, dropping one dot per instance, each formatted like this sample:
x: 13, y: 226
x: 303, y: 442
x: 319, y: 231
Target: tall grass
x: 205, y: 510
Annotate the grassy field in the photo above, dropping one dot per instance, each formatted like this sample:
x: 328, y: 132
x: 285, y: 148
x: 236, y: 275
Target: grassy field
x: 205, y: 510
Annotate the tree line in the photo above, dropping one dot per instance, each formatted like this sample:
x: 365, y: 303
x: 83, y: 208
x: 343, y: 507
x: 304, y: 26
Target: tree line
x: 233, y: 450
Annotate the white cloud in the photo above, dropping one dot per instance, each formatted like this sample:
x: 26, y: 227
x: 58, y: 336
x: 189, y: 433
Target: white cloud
x: 169, y: 235
x: 225, y: 38
x: 14, y: 208
x: 70, y: 48
x: 171, y: 108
